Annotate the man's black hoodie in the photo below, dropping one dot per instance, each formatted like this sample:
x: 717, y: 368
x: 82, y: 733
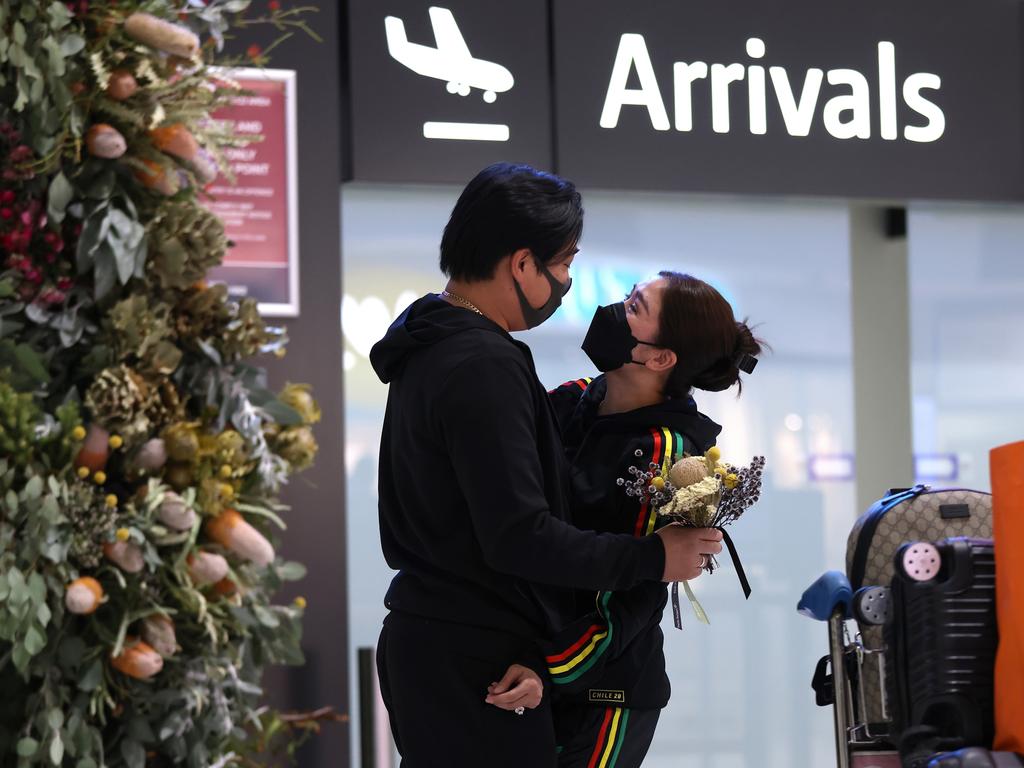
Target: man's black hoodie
x: 614, y: 653
x: 473, y: 483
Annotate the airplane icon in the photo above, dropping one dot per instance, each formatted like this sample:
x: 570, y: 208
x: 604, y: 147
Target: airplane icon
x: 450, y: 60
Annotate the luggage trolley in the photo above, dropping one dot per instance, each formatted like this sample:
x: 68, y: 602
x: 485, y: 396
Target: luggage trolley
x: 928, y: 688
x: 859, y: 744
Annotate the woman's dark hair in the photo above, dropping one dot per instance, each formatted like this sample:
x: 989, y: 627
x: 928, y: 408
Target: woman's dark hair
x: 505, y: 208
x: 697, y: 324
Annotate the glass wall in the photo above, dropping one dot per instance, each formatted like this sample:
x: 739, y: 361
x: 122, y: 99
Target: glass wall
x: 967, y: 316
x: 741, y: 694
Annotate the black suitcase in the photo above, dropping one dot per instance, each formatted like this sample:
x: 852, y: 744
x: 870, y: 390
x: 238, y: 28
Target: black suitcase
x: 942, y: 643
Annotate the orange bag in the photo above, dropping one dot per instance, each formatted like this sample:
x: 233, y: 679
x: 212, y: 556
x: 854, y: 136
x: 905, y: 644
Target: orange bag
x: 1007, y: 467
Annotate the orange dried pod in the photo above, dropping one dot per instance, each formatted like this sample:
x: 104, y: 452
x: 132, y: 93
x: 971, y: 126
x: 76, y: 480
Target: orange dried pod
x: 83, y: 595
x: 158, y: 631
x: 225, y: 587
x: 95, y: 449
x: 231, y: 531
x: 207, y: 567
x: 176, y: 141
x: 138, y: 660
x: 205, y: 167
x: 126, y: 555
x: 153, y: 175
x: 105, y: 141
x: 162, y: 35
x: 122, y: 85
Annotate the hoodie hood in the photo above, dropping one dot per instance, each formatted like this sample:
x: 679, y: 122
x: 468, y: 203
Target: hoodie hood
x: 680, y: 415
x: 424, y: 323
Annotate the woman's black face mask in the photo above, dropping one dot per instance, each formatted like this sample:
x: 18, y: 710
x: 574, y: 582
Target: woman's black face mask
x: 609, y: 342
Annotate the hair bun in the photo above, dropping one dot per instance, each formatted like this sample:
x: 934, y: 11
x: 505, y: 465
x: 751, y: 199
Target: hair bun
x: 726, y: 372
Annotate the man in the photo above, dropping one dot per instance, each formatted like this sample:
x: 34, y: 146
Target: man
x: 473, y: 512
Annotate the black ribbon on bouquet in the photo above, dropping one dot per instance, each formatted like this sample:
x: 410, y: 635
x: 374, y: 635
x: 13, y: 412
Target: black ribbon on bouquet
x: 677, y: 616
x: 740, y: 573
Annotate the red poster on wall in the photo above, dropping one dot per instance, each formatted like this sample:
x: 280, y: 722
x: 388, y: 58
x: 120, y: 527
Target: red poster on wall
x: 260, y: 209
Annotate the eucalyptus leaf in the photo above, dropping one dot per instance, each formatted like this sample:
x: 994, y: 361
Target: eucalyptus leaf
x: 71, y: 44
x: 33, y: 488
x: 37, y: 585
x: 55, y: 549
x: 21, y: 658
x: 27, y: 747
x: 17, y: 581
x: 133, y: 753
x: 104, y: 271
x: 265, y: 616
x: 57, y: 750
x: 30, y: 363
x: 61, y: 193
x: 35, y: 640
x: 282, y: 414
x: 92, y: 678
x: 291, y: 571
x: 124, y: 259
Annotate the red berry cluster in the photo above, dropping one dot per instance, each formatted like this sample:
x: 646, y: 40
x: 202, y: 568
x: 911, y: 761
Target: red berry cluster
x: 31, y: 247
x: 77, y: 7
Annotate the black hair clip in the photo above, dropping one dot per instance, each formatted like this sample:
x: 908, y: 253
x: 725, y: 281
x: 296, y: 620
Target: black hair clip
x: 746, y: 363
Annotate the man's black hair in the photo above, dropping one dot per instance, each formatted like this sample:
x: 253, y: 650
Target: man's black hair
x: 504, y: 208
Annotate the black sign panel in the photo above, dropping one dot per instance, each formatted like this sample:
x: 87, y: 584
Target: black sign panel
x: 907, y: 99
x: 439, y: 92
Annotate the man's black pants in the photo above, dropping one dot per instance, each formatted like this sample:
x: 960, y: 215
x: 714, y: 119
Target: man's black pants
x: 603, y: 737
x: 433, y: 679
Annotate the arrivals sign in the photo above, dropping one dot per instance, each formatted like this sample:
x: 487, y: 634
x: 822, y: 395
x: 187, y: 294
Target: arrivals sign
x: 916, y: 98
x: 913, y: 99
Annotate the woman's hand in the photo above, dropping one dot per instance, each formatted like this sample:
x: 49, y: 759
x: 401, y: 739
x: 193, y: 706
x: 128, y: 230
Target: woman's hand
x: 520, y: 687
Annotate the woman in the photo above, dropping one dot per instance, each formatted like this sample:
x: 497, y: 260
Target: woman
x: 670, y: 335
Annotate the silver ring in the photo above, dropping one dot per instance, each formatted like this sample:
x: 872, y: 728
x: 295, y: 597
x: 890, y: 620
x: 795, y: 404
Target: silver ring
x: 519, y: 710
x: 703, y: 562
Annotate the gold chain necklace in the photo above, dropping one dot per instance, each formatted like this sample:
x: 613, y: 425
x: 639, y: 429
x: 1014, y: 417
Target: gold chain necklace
x: 459, y: 300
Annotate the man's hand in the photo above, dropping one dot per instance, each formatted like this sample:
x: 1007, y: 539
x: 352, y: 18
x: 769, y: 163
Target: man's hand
x: 520, y: 687
x: 685, y: 550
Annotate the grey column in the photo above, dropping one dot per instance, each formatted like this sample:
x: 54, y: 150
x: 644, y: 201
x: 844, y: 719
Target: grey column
x: 316, y: 522
x: 881, y: 354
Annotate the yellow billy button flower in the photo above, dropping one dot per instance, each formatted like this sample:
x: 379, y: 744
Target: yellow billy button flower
x: 100, y: 477
x: 714, y: 453
x: 115, y: 442
x: 78, y: 433
x: 225, y: 471
x: 226, y: 491
x: 111, y: 501
x: 731, y: 480
x: 123, y: 534
x: 83, y: 472
x: 280, y: 352
x: 300, y: 602
x: 658, y: 482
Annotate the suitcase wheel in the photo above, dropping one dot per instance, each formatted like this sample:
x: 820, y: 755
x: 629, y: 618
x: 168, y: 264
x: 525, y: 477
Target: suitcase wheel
x: 921, y: 561
x: 872, y: 606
